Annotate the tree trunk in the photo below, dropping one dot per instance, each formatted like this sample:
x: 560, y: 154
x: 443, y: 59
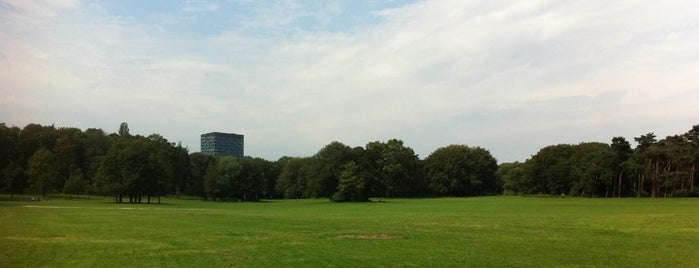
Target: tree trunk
x: 621, y: 175
x: 641, y: 181
x: 655, y: 186
x: 691, y: 177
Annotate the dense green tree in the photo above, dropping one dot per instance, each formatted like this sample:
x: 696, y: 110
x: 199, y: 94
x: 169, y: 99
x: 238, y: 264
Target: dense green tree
x: 295, y: 173
x: 673, y: 165
x: 622, y: 152
x: 69, y: 151
x: 642, y: 159
x: 14, y: 178
x: 274, y: 172
x: 459, y: 170
x: 96, y: 145
x: 76, y: 183
x: 132, y: 167
x: 590, y: 170
x: 221, y: 179
x: 391, y: 169
x: 254, y: 174
x: 34, y: 137
x: 109, y: 178
x: 174, y: 163
x: 199, y: 163
x: 692, y: 137
x: 512, y: 176
x: 42, y: 171
x: 326, y: 167
x: 181, y: 167
x: 124, y: 129
x: 550, y: 169
x: 9, y: 150
x: 126, y: 165
x: 351, y: 186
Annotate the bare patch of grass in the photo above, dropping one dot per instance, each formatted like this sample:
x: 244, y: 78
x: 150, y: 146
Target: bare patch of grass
x: 368, y: 236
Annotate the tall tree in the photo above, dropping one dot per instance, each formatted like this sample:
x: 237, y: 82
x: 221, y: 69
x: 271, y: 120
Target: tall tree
x: 14, y: 178
x: 548, y: 171
x: 459, y: 170
x: 69, y: 151
x: 34, y: 137
x: 199, y: 163
x: 692, y: 137
x: 590, y: 171
x: 622, y: 152
x: 96, y: 144
x: 75, y: 184
x: 109, y: 178
x: 253, y: 178
x: 642, y: 159
x: 391, y: 169
x: 9, y: 150
x: 295, y: 173
x: 351, y: 186
x: 512, y: 177
x: 124, y: 129
x: 43, y: 171
x: 221, y: 179
x: 327, y: 165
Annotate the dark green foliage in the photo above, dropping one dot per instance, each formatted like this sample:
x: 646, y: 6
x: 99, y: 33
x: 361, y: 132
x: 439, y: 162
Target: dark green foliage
x: 459, y: 170
x: 199, y: 164
x: 511, y: 176
x: 655, y: 168
x: 9, y: 149
x: 392, y: 169
x: 42, y: 171
x: 590, y: 170
x: 621, y: 150
x: 352, y: 187
x: 133, y: 167
x: 47, y: 159
x: 14, y: 179
x: 253, y: 177
x: 221, y: 180
x: 294, y: 174
x: 326, y: 167
x: 75, y: 184
x: 124, y: 129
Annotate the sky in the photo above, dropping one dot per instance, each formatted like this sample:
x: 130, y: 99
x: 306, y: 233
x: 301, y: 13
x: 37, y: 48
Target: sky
x: 293, y: 76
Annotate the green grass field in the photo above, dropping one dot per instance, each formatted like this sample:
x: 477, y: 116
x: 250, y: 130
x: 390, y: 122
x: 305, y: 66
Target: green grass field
x: 448, y: 232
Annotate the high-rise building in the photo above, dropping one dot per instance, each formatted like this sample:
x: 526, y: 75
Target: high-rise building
x: 223, y: 144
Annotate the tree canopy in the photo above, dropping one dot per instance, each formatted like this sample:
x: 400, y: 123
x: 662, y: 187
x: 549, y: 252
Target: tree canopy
x: 45, y: 159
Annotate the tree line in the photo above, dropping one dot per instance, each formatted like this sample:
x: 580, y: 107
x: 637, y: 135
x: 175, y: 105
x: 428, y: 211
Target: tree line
x: 653, y: 168
x: 44, y: 159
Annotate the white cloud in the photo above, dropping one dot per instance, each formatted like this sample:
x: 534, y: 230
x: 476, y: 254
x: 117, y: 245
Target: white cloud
x: 511, y: 76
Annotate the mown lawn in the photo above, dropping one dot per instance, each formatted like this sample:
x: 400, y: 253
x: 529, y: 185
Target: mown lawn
x: 447, y: 232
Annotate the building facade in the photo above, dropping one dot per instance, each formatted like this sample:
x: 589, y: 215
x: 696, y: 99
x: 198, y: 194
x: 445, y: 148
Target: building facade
x: 223, y: 144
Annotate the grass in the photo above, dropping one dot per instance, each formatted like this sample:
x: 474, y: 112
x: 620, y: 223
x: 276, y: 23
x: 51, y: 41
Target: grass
x: 446, y: 232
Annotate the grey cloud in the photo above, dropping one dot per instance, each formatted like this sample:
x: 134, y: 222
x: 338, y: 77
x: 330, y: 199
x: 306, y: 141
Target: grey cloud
x: 511, y: 76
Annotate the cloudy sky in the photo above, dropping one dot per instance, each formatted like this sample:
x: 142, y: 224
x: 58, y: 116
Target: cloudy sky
x: 292, y: 76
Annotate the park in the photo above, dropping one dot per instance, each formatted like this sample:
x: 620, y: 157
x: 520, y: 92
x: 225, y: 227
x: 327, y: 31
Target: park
x: 497, y: 231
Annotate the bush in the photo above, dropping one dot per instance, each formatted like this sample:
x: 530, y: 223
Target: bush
x: 681, y: 193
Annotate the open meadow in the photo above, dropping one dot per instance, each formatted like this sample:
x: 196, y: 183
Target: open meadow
x: 445, y: 232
